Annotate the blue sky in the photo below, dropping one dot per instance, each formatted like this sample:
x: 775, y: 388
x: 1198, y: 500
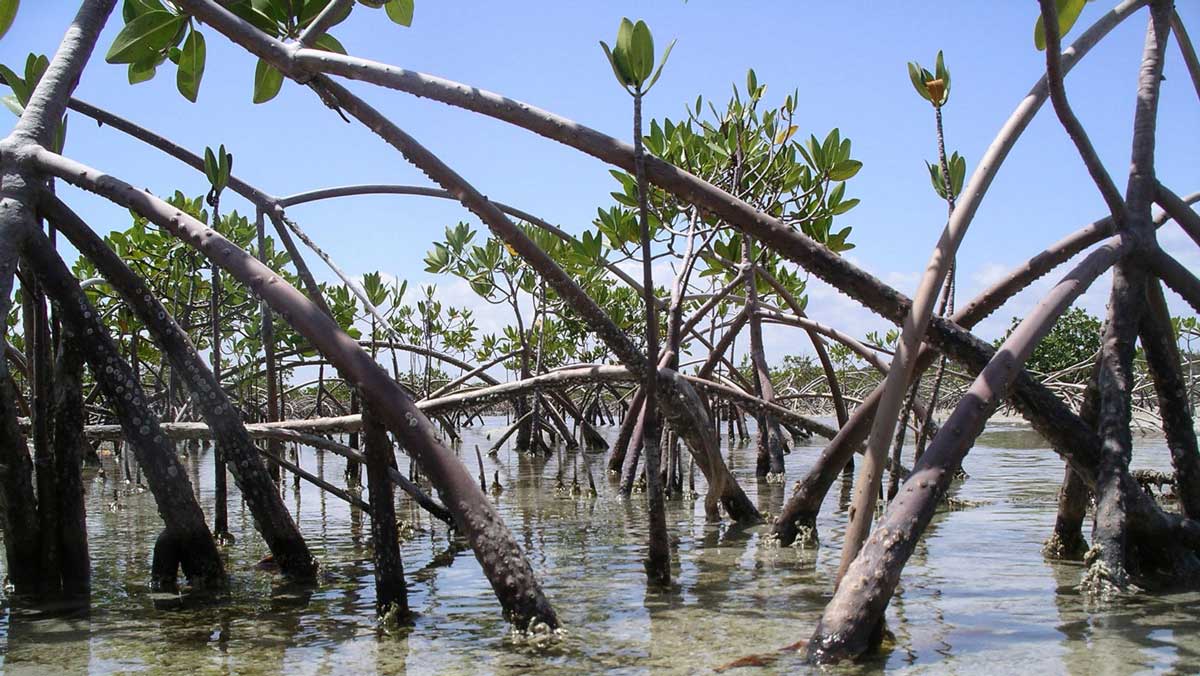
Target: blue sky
x: 847, y: 59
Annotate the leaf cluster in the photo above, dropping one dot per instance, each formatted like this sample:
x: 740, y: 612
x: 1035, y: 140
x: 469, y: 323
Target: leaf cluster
x: 632, y: 58
x: 156, y: 31
x: 933, y: 87
x: 958, y: 173
x: 1074, y: 340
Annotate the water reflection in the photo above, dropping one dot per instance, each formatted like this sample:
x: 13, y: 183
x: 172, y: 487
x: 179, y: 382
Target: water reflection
x: 976, y: 596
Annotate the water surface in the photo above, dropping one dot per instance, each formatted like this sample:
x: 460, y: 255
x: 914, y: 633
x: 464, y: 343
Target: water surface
x: 977, y: 596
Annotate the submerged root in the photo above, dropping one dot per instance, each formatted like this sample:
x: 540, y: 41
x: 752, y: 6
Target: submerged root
x: 1102, y: 582
x: 960, y: 504
x: 536, y: 634
x: 806, y: 536
x: 762, y: 659
x: 406, y: 530
x: 393, y: 618
x: 1071, y: 548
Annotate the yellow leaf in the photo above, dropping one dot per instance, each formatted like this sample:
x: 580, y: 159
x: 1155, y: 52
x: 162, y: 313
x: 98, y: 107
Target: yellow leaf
x: 937, y: 90
x: 785, y: 134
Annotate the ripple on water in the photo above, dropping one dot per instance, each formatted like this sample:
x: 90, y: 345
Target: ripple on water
x: 977, y: 594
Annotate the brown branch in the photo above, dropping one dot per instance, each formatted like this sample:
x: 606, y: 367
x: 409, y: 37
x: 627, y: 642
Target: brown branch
x: 830, y: 267
x: 1186, y: 50
x: 48, y: 101
x: 271, y: 517
x: 505, y: 566
x: 1179, y: 210
x: 1162, y: 358
x: 1062, y: 107
x: 852, y: 615
x: 1175, y: 275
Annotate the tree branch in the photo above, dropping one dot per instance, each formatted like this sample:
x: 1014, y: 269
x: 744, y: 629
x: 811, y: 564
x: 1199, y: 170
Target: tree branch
x: 1058, y: 98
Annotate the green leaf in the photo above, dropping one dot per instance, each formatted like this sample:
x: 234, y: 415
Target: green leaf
x: 662, y: 62
x: 307, y: 11
x: 35, y: 67
x: 330, y: 44
x: 13, y: 105
x: 224, y: 167
x: 144, y: 36
x: 835, y: 195
x: 1068, y: 13
x: 60, y: 137
x: 313, y: 8
x: 132, y: 9
x: 191, y: 66
x: 958, y: 172
x: 814, y: 149
x: 400, y: 11
x: 844, y: 150
x: 943, y: 74
x: 844, y: 170
x: 482, y: 286
x: 642, y: 56
x: 143, y: 70
x: 843, y: 207
x: 622, y: 54
x: 624, y: 37
x: 935, y: 179
x: 918, y: 82
x: 831, y: 146
x: 246, y: 10
x: 267, y: 81
x: 8, y: 13
x: 20, y: 90
x: 279, y: 10
x: 612, y: 61
x: 211, y: 169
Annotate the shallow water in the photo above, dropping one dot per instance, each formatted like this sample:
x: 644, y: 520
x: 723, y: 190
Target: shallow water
x: 977, y: 596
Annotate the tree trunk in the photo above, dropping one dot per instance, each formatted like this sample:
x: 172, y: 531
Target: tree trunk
x: 391, y: 595
x: 850, y: 624
x: 1112, y: 566
x: 1162, y: 357
x: 18, y: 503
x: 616, y: 458
x: 186, y: 541
x: 637, y: 444
x: 220, y: 490
x: 42, y: 386
x: 1067, y: 541
x: 267, y: 324
x: 271, y: 517
x: 75, y: 566
x: 521, y: 406
x: 353, y: 469
x: 771, y: 445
